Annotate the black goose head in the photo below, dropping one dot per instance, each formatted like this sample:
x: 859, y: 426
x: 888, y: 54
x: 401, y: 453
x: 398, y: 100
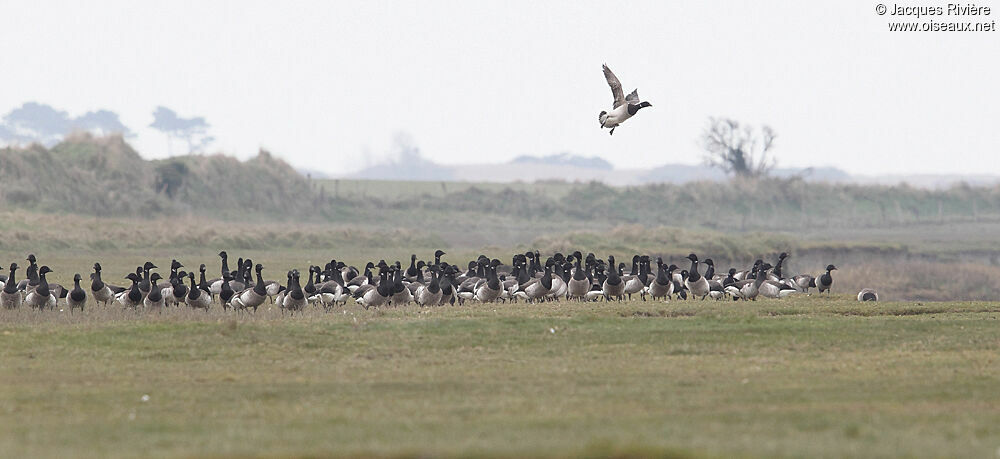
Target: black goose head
x: 97, y: 267
x: 31, y: 258
x: 13, y: 267
x: 155, y: 277
x: 135, y: 278
x: 831, y: 268
x: 45, y: 270
x: 175, y: 265
x: 732, y: 272
x: 76, y: 279
x: 148, y: 266
x: 201, y: 269
x: 693, y: 258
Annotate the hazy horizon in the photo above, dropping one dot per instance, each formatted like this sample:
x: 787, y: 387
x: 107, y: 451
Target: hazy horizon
x: 331, y: 86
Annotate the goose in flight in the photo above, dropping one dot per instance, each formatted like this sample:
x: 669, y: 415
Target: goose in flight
x: 624, y: 107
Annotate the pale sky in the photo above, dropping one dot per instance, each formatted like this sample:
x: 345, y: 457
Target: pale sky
x: 322, y: 84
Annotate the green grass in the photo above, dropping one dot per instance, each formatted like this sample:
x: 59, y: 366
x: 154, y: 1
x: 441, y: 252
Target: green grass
x: 810, y: 376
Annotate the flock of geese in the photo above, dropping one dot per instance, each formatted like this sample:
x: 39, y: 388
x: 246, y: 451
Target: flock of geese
x: 426, y: 283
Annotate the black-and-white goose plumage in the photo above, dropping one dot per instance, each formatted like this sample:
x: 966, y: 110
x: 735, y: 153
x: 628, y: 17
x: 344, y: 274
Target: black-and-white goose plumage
x: 624, y: 107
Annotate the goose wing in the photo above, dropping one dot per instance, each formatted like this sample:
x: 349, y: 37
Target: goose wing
x: 616, y: 86
x: 633, y: 97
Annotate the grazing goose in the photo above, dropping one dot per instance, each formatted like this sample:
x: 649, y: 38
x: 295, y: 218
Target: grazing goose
x: 41, y: 297
x: 771, y: 288
x: 101, y: 292
x: 10, y: 297
x: 252, y: 297
x: 154, y: 300
x: 131, y: 297
x: 614, y: 286
x: 696, y: 283
x: 825, y: 281
x: 197, y: 298
x: 867, y: 294
x: 802, y: 282
x: 662, y: 286
x: 358, y: 281
x: 430, y: 294
x: 77, y: 298
x: 295, y: 299
x: 372, y: 295
x: 715, y: 288
x: 748, y: 289
x: 624, y: 107
x: 537, y: 289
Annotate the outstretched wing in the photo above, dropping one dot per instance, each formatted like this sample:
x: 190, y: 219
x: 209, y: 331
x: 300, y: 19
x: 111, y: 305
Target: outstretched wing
x: 633, y: 97
x: 616, y: 86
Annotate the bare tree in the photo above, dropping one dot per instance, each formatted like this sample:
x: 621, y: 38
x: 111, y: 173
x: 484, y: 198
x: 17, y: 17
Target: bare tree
x: 738, y: 150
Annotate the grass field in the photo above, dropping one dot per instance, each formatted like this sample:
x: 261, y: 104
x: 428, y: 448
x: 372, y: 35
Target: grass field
x: 810, y: 376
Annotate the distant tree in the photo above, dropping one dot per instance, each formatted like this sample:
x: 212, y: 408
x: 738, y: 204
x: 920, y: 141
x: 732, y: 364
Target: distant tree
x: 738, y: 150
x: 102, y: 122
x: 193, y: 131
x: 35, y: 122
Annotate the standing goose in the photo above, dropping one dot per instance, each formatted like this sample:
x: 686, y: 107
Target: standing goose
x: 295, y: 299
x: 131, y: 297
x: 372, y: 295
x: 227, y: 293
x: 662, y: 286
x: 101, y: 292
x: 634, y: 283
x: 824, y: 282
x: 154, y: 300
x: 30, y: 274
x: 401, y: 296
x: 624, y: 107
x: 196, y: 297
x: 579, y: 284
x: 430, y: 294
x: 614, y: 286
x: 10, y: 297
x: 252, y: 297
x: 489, y: 291
x: 41, y: 297
x: 538, y: 288
x: 77, y: 298
x: 696, y: 283
x: 145, y: 285
x: 179, y: 290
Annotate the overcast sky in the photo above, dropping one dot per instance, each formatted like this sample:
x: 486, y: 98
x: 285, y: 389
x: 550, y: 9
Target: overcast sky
x: 323, y: 84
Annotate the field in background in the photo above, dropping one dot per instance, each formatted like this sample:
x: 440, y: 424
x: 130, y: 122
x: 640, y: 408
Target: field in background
x: 814, y: 377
